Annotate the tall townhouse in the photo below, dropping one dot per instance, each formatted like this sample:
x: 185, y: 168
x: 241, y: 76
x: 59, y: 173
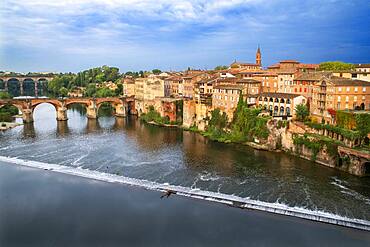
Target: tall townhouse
x: 338, y: 93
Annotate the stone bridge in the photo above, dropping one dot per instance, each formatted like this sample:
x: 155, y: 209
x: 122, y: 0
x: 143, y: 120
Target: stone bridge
x: 358, y: 161
x: 27, y: 106
x: 24, y: 84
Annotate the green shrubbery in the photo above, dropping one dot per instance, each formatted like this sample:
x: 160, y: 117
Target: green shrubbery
x: 315, y: 143
x: 349, y: 134
x: 245, y: 126
x: 7, y: 112
x: 153, y: 116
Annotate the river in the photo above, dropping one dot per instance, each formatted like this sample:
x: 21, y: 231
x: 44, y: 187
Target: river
x: 127, y: 147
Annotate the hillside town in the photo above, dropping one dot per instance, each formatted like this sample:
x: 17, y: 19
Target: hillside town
x: 278, y: 89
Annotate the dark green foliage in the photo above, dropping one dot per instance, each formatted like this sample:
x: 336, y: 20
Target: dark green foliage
x: 156, y: 71
x: 83, y: 79
x: 221, y: 67
x: 363, y: 124
x: 315, y: 143
x: 5, y: 117
x: 246, y: 125
x: 345, y: 119
x: 7, y: 112
x: 336, y: 66
x: 5, y: 95
x: 105, y: 92
x: 63, y: 92
x: 282, y: 124
x: 349, y: 134
x: 302, y: 112
x: 119, y: 89
x: 153, y: 116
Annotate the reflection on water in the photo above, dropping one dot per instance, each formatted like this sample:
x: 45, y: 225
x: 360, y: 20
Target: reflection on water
x: 128, y: 147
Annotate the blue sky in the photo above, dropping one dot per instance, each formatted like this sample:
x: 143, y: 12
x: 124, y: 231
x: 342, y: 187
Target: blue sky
x: 72, y: 35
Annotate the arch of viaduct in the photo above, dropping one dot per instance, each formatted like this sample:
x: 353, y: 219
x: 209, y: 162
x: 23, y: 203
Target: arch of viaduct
x: 27, y: 106
x: 22, y: 81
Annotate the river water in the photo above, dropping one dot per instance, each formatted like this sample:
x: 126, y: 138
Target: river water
x: 127, y: 147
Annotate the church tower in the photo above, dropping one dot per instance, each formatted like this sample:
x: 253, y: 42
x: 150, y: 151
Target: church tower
x: 258, y: 57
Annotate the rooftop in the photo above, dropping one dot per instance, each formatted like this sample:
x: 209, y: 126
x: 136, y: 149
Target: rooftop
x: 340, y: 81
x: 279, y: 95
x: 229, y: 86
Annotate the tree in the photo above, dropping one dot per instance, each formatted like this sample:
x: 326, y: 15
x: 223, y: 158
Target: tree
x: 5, y: 95
x: 119, y: 89
x: 90, y: 90
x: 63, y: 92
x: 156, y: 71
x: 221, y: 67
x: 302, y: 112
x: 363, y: 124
x: 105, y: 92
x: 336, y: 66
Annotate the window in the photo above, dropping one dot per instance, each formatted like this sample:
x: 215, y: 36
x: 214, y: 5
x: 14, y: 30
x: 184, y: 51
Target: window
x: 364, y: 89
x: 340, y: 89
x: 355, y: 98
x: 338, y: 98
x: 356, y: 89
x: 338, y: 106
x: 347, y: 98
x: 347, y: 89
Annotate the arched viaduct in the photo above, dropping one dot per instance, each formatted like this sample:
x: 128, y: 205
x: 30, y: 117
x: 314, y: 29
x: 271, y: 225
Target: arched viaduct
x: 24, y: 85
x: 27, y: 106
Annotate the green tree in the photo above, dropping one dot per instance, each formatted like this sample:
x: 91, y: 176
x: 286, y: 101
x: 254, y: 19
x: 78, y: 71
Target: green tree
x: 119, y: 89
x: 336, y: 66
x: 156, y: 71
x: 90, y: 90
x: 63, y: 92
x: 302, y: 112
x: 105, y: 92
x: 221, y: 67
x: 5, y: 95
x: 363, y: 124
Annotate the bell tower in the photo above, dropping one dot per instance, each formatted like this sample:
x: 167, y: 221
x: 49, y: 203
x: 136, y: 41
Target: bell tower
x: 258, y: 57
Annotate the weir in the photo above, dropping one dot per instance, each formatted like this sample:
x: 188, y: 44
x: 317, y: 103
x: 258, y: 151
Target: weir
x: 231, y: 200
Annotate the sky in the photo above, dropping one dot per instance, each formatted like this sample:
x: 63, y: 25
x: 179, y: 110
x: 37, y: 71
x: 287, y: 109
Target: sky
x: 74, y: 35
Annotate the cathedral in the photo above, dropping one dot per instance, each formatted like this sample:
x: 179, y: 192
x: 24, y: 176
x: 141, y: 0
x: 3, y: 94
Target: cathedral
x: 249, y: 66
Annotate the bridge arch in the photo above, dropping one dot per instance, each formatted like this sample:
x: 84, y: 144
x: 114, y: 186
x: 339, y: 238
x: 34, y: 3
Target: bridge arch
x: 366, y: 167
x: 29, y: 87
x: 19, y: 107
x: 14, y: 87
x: 2, y: 85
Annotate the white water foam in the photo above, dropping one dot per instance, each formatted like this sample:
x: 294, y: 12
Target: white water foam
x: 232, y: 200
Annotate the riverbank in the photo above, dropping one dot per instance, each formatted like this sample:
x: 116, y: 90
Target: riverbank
x: 8, y: 125
x: 323, y: 156
x: 70, y: 210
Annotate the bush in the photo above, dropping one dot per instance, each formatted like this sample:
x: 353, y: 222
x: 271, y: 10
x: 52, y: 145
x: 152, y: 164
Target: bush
x: 302, y: 112
x: 154, y: 116
x: 5, y: 117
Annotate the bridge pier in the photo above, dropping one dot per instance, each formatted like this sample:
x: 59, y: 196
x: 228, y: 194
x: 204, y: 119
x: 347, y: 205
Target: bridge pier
x: 27, y: 115
x: 120, y: 110
x: 92, y: 112
x: 62, y: 114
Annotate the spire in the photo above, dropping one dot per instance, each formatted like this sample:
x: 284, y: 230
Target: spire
x: 258, y: 56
